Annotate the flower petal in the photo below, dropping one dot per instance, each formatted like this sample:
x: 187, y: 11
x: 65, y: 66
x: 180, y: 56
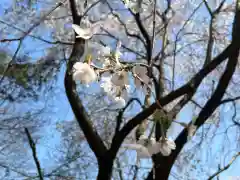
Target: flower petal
x: 120, y: 79
x: 142, y: 152
x: 83, y: 73
x: 165, y: 150
x: 82, y: 33
x: 120, y: 102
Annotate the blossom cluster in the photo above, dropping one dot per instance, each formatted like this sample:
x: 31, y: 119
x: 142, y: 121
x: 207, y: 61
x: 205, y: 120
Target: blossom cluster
x: 146, y: 147
x: 114, y: 84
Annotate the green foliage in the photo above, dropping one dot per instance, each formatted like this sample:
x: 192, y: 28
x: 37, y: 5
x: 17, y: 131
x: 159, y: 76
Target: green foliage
x: 163, y: 118
x: 26, y: 76
x: 140, y: 131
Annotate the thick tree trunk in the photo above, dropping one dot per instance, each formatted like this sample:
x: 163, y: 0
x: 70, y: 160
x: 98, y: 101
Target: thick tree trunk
x: 105, y: 169
x: 162, y: 168
x: 164, y: 164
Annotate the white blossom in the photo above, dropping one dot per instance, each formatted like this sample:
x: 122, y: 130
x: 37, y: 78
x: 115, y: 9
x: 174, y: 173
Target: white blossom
x: 141, y: 147
x: 83, y: 73
x: 145, y: 147
x: 107, y: 85
x: 134, y: 6
x: 103, y: 55
x: 141, y: 73
x: 145, y: 140
x: 150, y: 143
x: 125, y: 93
x: 82, y: 33
x: 119, y: 103
x: 118, y: 54
x: 166, y: 146
x: 120, y: 78
x: 142, y: 151
x: 139, y: 70
x: 87, y: 33
x: 105, y: 50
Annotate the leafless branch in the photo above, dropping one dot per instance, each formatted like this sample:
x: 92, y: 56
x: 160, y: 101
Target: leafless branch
x: 34, y: 153
x: 225, y: 167
x: 230, y: 100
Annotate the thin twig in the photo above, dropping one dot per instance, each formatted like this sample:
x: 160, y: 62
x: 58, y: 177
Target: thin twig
x: 225, y: 167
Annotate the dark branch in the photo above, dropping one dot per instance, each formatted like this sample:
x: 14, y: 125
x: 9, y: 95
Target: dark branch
x: 81, y: 115
x: 230, y: 100
x: 34, y: 153
x: 75, y: 15
x: 121, y: 112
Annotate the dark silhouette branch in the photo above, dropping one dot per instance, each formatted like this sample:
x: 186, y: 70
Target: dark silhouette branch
x: 121, y: 112
x: 34, y: 153
x: 75, y: 16
x: 230, y: 100
x: 145, y: 35
x: 80, y: 113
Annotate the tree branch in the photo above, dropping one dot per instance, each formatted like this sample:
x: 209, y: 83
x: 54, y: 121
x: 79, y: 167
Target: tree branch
x: 76, y: 17
x: 210, y: 106
x: 225, y: 167
x: 94, y: 140
x: 145, y: 35
x: 34, y: 153
x: 188, y: 88
x: 230, y: 100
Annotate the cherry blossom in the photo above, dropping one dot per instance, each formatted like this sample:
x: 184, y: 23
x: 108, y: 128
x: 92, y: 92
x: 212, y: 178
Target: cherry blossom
x: 120, y: 103
x: 142, y: 151
x: 134, y: 6
x: 82, y: 33
x: 166, y: 146
x: 146, y: 147
x: 83, y: 73
x: 107, y: 85
x: 141, y: 75
x: 120, y: 78
x: 104, y: 51
x: 87, y: 33
x: 118, y: 54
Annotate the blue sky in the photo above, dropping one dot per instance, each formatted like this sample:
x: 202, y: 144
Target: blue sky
x: 63, y: 112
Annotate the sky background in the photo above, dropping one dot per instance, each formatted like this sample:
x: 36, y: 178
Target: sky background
x: 62, y: 112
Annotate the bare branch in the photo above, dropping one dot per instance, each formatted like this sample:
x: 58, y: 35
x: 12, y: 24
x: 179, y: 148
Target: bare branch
x: 208, y: 7
x: 121, y: 112
x: 75, y: 15
x: 34, y: 153
x: 230, y: 100
x: 176, y: 41
x: 89, y: 8
x: 144, y: 33
x: 225, y: 167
